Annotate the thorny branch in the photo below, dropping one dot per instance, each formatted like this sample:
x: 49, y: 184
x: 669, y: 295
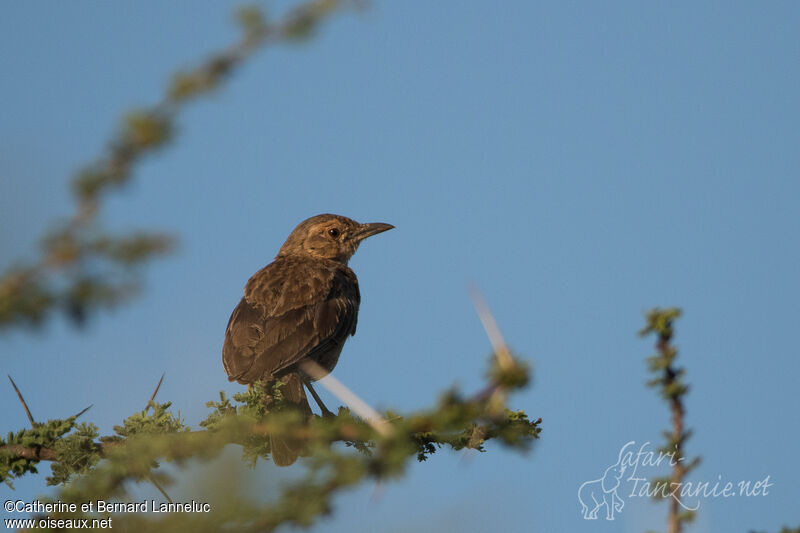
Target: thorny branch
x: 669, y: 379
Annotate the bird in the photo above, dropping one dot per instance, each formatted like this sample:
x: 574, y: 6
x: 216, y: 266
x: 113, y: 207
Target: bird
x: 301, y: 307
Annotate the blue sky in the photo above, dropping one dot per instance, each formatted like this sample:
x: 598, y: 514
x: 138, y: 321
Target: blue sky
x: 580, y: 162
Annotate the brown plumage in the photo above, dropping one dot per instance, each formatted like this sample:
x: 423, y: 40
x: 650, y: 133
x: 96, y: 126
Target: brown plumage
x: 302, y: 306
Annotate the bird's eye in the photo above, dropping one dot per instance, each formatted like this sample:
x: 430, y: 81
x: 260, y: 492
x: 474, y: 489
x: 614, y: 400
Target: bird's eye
x: 333, y: 232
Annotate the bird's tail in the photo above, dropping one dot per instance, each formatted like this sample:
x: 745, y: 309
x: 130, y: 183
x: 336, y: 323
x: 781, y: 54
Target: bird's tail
x: 286, y: 450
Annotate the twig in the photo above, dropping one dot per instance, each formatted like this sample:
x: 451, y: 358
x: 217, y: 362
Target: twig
x: 674, y: 522
x: 38, y: 453
x: 670, y: 380
x: 21, y: 399
x: 160, y: 488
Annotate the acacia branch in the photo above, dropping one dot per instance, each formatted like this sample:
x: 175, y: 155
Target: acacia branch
x: 345, y: 429
x: 104, y: 447
x: 670, y: 381
x: 18, y: 451
x: 674, y: 524
x: 147, y: 438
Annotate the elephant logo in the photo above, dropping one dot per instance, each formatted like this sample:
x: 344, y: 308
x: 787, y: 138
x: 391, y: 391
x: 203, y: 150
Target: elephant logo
x: 599, y: 492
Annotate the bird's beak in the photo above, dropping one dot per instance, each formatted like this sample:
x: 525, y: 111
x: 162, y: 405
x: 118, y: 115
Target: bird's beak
x: 368, y: 230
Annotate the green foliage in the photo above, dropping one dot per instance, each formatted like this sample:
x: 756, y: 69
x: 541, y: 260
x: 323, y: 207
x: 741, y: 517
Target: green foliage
x: 130, y: 249
x: 659, y: 321
x: 514, y: 376
x: 252, y: 20
x: 302, y: 23
x: 221, y: 410
x: 43, y: 436
x: 23, y: 298
x: 77, y: 453
x: 160, y: 421
x: 146, y: 129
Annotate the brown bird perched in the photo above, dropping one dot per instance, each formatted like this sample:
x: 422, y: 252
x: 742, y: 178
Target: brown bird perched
x: 302, y: 306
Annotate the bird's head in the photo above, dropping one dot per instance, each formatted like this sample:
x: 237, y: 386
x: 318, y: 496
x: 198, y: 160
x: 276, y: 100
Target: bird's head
x: 329, y: 237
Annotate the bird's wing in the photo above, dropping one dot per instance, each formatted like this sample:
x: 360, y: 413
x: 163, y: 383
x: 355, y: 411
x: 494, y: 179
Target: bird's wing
x: 283, y: 319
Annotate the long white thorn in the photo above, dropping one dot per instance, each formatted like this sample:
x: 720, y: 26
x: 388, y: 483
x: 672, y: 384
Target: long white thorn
x: 499, y: 345
x: 350, y: 399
